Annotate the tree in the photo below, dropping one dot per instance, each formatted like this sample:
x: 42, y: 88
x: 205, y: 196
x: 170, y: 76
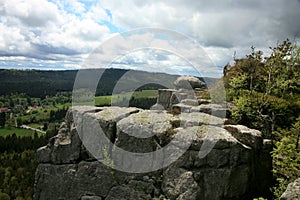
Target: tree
x: 286, y: 158
x: 29, y: 102
x: 264, y: 90
x: 266, y: 96
x: 45, y: 127
x: 2, y: 119
x: 19, y: 121
x: 282, y: 68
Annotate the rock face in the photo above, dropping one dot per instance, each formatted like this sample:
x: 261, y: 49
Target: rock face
x: 220, y: 162
x: 292, y: 191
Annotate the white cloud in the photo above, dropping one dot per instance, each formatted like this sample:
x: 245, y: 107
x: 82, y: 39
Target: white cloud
x: 232, y: 25
x: 41, y: 29
x: 153, y: 50
x: 71, y: 29
x: 32, y: 13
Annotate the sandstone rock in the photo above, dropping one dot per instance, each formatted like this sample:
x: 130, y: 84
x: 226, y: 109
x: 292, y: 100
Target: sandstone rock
x: 164, y: 97
x: 124, y: 192
x: 43, y: 154
x: 197, y: 119
x: 212, y: 109
x: 189, y: 82
x: 137, y: 133
x: 72, y: 181
x: 190, y: 102
x: 178, y: 108
x: 216, y: 164
x: 145, y: 123
x: 108, y: 119
x: 64, y: 148
x: 157, y: 106
x: 223, y: 173
x: 292, y: 191
x: 246, y: 135
x: 204, y: 101
x: 179, y: 182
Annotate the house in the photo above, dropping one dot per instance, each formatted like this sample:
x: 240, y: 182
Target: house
x: 4, y: 110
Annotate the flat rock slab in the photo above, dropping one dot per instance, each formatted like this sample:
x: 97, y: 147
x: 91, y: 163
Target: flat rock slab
x: 247, y: 136
x: 197, y: 119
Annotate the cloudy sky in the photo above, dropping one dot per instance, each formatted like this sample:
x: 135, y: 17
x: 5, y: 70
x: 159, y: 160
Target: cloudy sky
x: 53, y: 34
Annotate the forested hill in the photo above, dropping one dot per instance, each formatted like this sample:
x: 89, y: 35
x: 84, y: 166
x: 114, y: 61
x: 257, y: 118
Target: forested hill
x: 37, y: 83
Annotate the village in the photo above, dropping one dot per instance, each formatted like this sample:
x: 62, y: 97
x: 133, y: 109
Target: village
x: 20, y: 112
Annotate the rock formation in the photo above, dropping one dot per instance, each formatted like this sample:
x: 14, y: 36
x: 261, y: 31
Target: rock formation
x: 233, y: 169
x: 189, y: 82
x: 199, y: 157
x: 292, y: 191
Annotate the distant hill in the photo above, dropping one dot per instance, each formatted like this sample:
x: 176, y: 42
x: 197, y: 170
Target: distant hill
x: 38, y: 83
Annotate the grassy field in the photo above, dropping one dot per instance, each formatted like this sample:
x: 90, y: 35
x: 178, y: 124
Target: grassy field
x: 107, y: 100
x: 35, y: 125
x: 18, y: 131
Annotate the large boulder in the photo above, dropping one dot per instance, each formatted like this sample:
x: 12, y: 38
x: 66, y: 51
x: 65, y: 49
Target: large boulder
x: 189, y: 82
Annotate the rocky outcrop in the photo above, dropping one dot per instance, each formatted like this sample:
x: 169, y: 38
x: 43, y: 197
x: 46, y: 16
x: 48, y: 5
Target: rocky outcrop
x: 196, y: 157
x: 184, y: 94
x: 292, y: 191
x: 185, y: 98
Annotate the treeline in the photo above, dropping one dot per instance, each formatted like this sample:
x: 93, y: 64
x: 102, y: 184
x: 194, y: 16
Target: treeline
x: 37, y: 83
x: 265, y: 92
x: 144, y: 103
x: 14, y: 143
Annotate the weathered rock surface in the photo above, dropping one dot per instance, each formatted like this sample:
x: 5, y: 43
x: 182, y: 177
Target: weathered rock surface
x: 73, y: 181
x: 164, y: 98
x: 221, y: 162
x: 246, y: 135
x: 292, y: 191
x: 189, y: 82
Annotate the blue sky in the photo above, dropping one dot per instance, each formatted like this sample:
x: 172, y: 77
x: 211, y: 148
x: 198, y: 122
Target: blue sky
x: 55, y: 34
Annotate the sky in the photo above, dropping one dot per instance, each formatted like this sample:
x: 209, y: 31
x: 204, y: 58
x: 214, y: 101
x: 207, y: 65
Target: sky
x: 71, y: 34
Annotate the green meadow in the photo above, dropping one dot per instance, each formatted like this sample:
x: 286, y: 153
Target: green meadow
x: 18, y: 131
x: 107, y: 100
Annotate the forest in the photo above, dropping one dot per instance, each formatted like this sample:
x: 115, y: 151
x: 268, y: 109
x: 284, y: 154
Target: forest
x: 49, y: 83
x: 265, y: 93
x: 18, y: 164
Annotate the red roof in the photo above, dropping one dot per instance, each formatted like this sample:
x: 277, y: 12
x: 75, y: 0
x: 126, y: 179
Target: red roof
x: 4, y: 109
